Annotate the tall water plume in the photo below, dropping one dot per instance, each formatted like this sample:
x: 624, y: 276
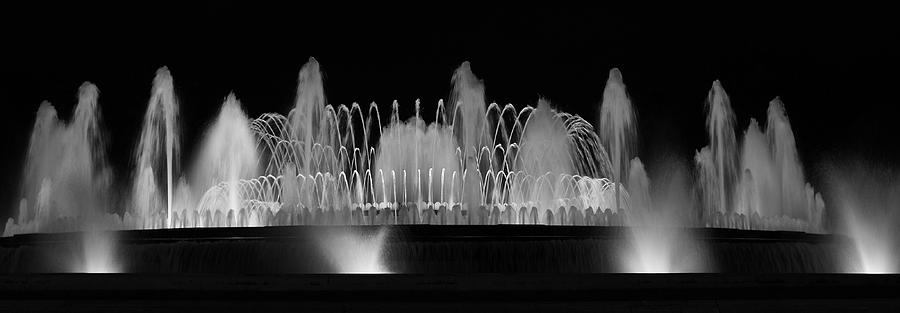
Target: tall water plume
x: 307, y: 119
x: 758, y: 179
x: 470, y: 125
x: 467, y: 107
x: 66, y: 177
x: 228, y: 155
x: 544, y: 154
x: 792, y: 185
x: 657, y: 242
x: 157, y: 153
x: 717, y: 163
x: 772, y: 183
x: 617, y: 127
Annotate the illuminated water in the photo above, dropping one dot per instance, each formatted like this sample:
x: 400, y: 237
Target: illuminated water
x: 467, y: 161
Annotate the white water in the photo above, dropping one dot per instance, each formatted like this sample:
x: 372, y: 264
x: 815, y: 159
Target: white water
x: 617, y: 127
x: 322, y: 159
x: 354, y: 253
x: 157, y: 151
x: 337, y: 157
x: 759, y: 184
x: 868, y: 204
x: 658, y: 242
x: 228, y: 156
x: 344, y: 156
x: 66, y: 174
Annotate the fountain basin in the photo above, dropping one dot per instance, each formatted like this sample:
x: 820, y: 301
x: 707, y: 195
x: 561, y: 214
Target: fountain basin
x: 459, y: 249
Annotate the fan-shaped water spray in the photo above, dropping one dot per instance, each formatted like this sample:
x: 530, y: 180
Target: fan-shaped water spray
x: 867, y: 204
x: 228, y: 156
x: 658, y: 242
x: 354, y: 252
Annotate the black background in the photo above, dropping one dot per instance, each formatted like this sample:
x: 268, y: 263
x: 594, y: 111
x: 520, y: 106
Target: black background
x: 835, y: 68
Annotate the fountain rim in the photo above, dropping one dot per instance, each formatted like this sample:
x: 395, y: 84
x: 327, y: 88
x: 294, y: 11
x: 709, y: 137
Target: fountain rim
x: 399, y: 233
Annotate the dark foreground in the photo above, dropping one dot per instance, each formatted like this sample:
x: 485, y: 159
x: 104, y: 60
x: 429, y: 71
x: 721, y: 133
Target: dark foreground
x: 450, y: 293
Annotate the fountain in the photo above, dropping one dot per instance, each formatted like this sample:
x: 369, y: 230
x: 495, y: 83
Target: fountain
x: 760, y: 186
x: 398, y: 164
x: 58, y: 196
x: 338, y: 158
x: 617, y: 127
x: 352, y: 252
x: 472, y: 163
x: 98, y: 253
x: 228, y: 156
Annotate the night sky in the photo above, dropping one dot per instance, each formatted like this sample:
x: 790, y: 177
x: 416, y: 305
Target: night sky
x: 834, y: 68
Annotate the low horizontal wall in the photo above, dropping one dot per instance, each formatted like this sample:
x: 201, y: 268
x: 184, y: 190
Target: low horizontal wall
x: 428, y: 249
